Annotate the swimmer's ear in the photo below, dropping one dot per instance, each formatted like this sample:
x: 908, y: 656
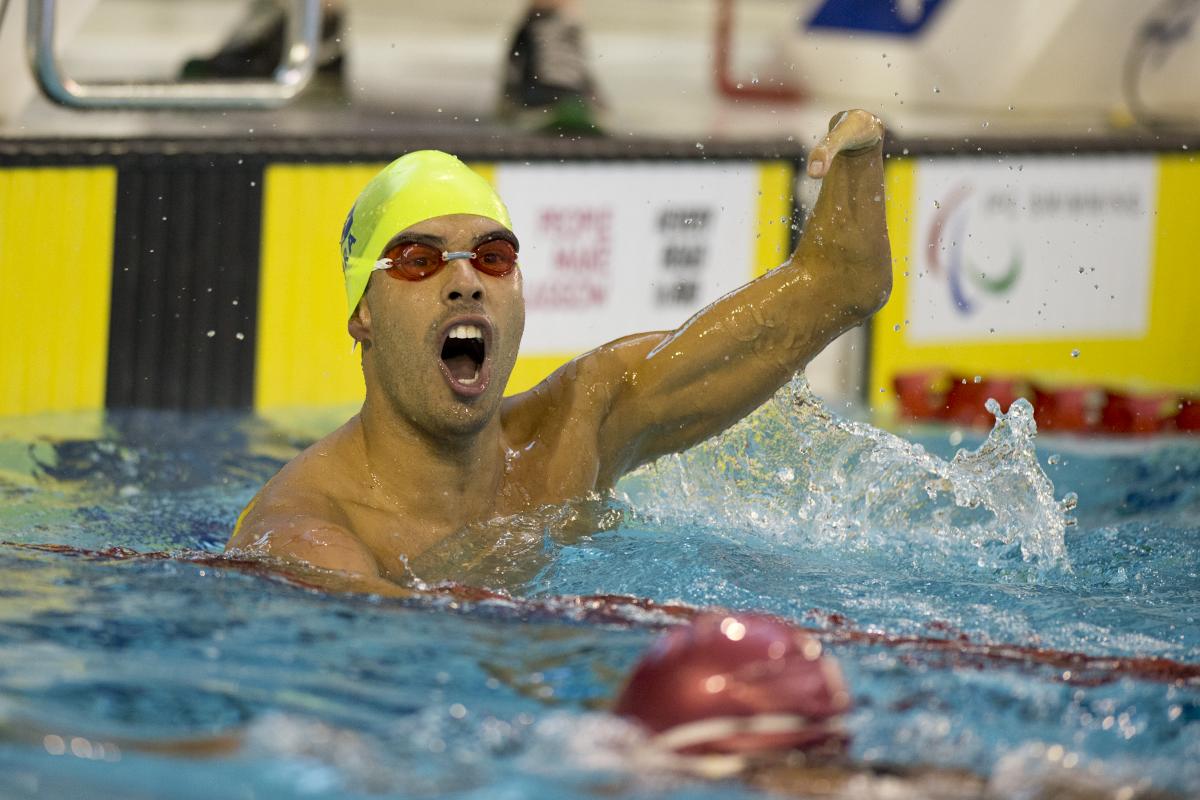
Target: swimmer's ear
x: 359, y: 325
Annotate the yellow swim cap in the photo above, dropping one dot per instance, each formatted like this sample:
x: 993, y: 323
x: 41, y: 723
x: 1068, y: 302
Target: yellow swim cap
x: 413, y: 188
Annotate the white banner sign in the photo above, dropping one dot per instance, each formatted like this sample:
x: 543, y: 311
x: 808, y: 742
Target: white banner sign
x: 1031, y: 247
x: 613, y: 249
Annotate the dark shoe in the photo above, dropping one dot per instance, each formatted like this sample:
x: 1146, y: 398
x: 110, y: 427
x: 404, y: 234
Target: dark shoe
x: 256, y: 50
x: 547, y: 84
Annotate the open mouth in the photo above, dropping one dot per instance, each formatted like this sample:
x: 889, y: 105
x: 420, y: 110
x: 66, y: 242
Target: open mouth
x: 464, y: 354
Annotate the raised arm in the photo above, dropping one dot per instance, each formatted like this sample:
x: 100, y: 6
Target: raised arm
x: 670, y: 390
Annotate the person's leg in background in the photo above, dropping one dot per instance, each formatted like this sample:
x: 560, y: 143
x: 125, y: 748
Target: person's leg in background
x: 547, y: 84
x: 256, y: 48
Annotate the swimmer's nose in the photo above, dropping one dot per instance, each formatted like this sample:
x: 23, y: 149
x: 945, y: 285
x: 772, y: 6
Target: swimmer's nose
x: 462, y: 281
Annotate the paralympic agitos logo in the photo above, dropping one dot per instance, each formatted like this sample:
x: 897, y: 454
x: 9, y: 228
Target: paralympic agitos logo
x: 947, y: 255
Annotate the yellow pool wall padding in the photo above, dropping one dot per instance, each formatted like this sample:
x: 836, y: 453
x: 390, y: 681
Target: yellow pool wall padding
x: 1165, y: 358
x: 303, y: 355
x: 56, y: 246
x: 772, y: 242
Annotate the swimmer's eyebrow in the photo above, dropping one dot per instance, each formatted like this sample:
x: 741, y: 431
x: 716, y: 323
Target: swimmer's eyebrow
x: 499, y: 233
x: 440, y: 243
x: 415, y: 238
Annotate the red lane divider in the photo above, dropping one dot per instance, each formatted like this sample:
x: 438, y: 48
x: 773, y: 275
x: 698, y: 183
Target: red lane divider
x: 939, y: 396
x: 958, y: 651
x: 1188, y: 418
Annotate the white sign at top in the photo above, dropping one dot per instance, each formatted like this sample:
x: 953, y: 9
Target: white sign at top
x: 613, y: 249
x: 1031, y: 247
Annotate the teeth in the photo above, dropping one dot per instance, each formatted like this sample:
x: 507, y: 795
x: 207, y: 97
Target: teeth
x: 465, y: 332
x: 472, y: 380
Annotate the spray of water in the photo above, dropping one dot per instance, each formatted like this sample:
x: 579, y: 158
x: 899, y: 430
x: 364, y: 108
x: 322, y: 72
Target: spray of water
x: 793, y: 471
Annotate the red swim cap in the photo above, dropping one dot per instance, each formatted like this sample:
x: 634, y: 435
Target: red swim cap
x: 736, y: 684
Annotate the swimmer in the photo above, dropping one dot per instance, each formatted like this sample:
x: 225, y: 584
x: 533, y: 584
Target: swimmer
x: 755, y: 698
x: 435, y: 303
x: 726, y: 696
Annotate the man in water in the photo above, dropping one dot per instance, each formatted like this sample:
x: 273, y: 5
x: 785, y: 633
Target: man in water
x: 437, y: 447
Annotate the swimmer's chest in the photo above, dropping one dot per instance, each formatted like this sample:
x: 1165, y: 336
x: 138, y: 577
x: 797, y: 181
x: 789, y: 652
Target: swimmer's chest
x: 558, y: 466
x: 535, y: 476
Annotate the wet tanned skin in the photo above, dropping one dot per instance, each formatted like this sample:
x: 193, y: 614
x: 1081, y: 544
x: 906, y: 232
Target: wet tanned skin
x: 421, y: 462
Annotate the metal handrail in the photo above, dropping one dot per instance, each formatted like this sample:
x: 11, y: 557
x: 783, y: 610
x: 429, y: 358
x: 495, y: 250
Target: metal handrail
x: 293, y: 74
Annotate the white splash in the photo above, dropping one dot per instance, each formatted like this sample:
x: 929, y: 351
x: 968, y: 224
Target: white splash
x: 794, y: 471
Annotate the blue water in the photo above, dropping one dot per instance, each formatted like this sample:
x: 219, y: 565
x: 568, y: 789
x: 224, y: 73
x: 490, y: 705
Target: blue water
x: 840, y: 526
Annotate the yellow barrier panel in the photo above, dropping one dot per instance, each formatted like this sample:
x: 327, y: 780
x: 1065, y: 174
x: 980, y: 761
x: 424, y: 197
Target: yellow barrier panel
x: 56, y: 240
x: 888, y: 324
x: 771, y: 245
x: 1163, y: 358
x: 304, y: 356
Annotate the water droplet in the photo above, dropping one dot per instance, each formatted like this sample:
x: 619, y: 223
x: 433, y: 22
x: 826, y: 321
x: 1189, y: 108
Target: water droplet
x: 1075, y: 353
x: 211, y: 334
x: 936, y: 90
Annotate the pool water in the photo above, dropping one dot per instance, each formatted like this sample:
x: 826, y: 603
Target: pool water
x: 984, y: 617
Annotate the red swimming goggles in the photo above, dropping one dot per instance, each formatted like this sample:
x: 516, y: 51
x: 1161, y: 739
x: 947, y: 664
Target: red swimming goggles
x: 412, y: 261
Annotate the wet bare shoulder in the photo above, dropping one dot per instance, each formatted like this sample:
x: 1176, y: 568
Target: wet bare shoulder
x: 578, y: 394
x: 307, y: 493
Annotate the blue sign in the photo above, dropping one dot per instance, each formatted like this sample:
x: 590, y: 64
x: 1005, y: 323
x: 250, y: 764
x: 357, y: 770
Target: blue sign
x: 894, y: 17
